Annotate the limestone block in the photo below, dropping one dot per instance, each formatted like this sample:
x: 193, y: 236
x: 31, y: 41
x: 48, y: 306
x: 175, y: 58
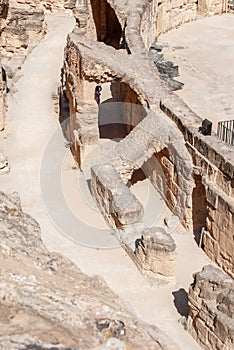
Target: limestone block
x: 155, y: 252
x: 118, y: 205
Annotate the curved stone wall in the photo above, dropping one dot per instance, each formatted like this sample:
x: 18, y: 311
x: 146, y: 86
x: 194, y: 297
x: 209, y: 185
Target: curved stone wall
x: 159, y: 16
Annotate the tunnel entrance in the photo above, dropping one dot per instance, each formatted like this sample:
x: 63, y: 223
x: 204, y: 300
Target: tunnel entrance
x: 200, y: 208
x: 107, y: 24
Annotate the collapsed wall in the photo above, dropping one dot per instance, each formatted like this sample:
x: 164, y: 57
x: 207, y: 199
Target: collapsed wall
x: 211, y: 301
x: 209, y: 205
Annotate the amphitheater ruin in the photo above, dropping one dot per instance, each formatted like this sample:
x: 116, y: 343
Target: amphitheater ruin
x: 122, y: 157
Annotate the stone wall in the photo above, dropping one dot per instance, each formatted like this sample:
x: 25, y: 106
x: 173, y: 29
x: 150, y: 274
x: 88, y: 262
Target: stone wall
x: 52, y: 5
x: 121, y: 209
x: 25, y: 28
x: 161, y: 16
x: 214, y: 163
x: 211, y: 301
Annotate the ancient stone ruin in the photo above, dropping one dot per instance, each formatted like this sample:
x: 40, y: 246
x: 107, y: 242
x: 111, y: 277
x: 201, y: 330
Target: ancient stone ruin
x: 154, y: 136
x: 211, y: 301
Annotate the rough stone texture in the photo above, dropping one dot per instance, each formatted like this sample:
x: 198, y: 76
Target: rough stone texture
x: 25, y: 28
x: 47, y: 303
x: 155, y: 252
x: 160, y: 16
x: 214, y: 163
x: 51, y: 5
x: 119, y: 206
x: 211, y: 301
x: 88, y: 63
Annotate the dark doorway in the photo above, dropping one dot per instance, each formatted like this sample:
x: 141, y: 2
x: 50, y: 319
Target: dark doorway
x: 107, y: 24
x: 200, y: 208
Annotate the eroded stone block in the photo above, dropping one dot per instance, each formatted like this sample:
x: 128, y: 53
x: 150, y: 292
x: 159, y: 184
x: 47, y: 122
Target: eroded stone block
x: 155, y: 252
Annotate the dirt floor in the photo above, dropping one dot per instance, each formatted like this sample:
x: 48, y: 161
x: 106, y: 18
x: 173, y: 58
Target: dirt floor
x: 204, y: 52
x: 32, y: 124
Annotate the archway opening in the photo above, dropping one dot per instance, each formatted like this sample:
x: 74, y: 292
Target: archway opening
x: 200, y: 208
x: 107, y: 25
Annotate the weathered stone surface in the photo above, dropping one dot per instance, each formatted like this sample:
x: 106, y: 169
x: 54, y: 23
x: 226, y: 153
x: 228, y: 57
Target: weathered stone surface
x: 211, y: 304
x: 119, y: 206
x: 25, y: 28
x: 155, y: 252
x: 47, y: 303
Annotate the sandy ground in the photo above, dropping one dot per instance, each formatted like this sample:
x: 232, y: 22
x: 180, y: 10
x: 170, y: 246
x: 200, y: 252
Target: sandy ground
x: 32, y: 133
x: 204, y: 51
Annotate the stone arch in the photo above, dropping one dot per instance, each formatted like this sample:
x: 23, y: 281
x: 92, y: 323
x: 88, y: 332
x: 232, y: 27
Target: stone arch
x: 155, y: 140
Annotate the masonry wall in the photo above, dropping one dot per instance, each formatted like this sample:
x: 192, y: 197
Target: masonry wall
x: 211, y: 313
x: 25, y: 28
x: 214, y: 162
x: 38, y: 4
x: 161, y: 16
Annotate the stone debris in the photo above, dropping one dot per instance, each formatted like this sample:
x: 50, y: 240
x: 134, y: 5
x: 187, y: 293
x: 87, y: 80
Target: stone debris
x: 168, y: 71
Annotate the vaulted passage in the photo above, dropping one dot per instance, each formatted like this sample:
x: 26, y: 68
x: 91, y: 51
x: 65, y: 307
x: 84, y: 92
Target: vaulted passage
x: 107, y: 24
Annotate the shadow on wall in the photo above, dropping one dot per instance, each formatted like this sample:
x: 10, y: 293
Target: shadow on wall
x: 200, y: 208
x: 181, y: 302
x: 119, y: 114
x: 110, y: 117
x: 107, y: 24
